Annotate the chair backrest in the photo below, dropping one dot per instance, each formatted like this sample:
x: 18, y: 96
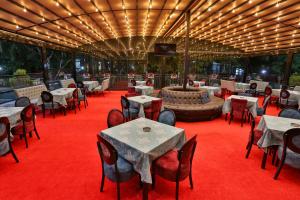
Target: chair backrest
x: 156, y: 107
x: 148, y: 82
x: 131, y: 90
x: 266, y: 103
x: 27, y: 114
x: 107, y: 152
x: 191, y: 82
x: 186, y: 153
x: 46, y: 97
x: 22, y: 102
x: 115, y: 117
x: 72, y: 85
x: 238, y: 104
x: 289, y: 113
x: 268, y: 91
x: 80, y: 84
x: 75, y: 94
x: 124, y: 103
x: 253, y: 86
x: 291, y: 140
x: 167, y: 117
x: 4, y: 128
x: 284, y: 94
x: 133, y: 82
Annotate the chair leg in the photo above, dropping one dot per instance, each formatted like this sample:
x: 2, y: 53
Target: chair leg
x: 43, y: 110
x: 274, y: 156
x: 30, y: 134
x: 102, y: 182
x: 36, y: 133
x: 264, y: 160
x: 249, y: 147
x: 279, y: 169
x: 13, y: 153
x: 191, y: 179
x: 177, y: 190
x: 153, y: 178
x: 230, y: 119
x: 26, y: 142
x: 118, y: 190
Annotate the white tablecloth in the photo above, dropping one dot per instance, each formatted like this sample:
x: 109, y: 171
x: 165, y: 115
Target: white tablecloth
x: 91, y: 85
x: 273, y: 128
x: 251, y: 105
x: 144, y: 90
x: 14, y: 116
x: 211, y: 90
x: 294, y: 95
x: 141, y: 148
x: 139, y: 83
x: 60, y: 95
x: 143, y: 101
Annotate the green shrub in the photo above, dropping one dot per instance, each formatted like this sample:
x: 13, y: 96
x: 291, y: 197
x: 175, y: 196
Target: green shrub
x: 294, y: 80
x: 20, y: 72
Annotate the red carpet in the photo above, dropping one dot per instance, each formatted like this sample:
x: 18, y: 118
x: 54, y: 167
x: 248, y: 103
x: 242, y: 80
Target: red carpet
x: 65, y: 163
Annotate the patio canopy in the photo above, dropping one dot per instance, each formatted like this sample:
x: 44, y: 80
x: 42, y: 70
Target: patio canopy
x: 110, y: 27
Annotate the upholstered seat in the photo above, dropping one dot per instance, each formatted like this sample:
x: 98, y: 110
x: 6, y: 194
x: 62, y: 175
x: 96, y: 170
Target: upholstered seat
x: 260, y: 111
x: 167, y: 117
x: 125, y: 170
x: 133, y: 112
x: 18, y: 130
x: 292, y: 158
x: 48, y: 105
x: 167, y: 166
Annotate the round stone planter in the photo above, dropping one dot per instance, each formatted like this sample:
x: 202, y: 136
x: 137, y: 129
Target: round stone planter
x: 194, y: 104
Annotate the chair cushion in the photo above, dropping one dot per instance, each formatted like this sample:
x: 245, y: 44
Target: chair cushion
x: 49, y: 105
x: 167, y: 166
x: 257, y: 135
x: 133, y: 112
x: 260, y: 111
x: 292, y: 158
x: 18, y: 130
x: 124, y: 167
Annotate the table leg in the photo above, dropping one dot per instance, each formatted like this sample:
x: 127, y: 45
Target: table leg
x: 145, y: 191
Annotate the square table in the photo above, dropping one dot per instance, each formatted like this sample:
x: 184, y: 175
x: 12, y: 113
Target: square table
x: 144, y: 90
x: 251, y: 105
x: 60, y: 95
x: 141, y: 148
x: 211, y: 89
x: 143, y: 102
x: 139, y: 83
x: 294, y: 95
x: 273, y: 128
x: 14, y: 116
x: 91, y: 85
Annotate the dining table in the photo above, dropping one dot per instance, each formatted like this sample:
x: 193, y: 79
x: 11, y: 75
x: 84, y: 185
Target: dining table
x: 144, y: 90
x: 141, y: 141
x: 143, y: 101
x: 212, y: 89
x: 252, y: 104
x: 14, y: 116
x: 91, y: 85
x: 294, y: 95
x: 273, y: 128
x: 60, y: 96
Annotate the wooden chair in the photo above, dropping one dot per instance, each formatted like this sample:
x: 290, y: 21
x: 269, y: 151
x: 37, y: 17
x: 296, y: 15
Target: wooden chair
x: 167, y: 117
x: 74, y: 101
x: 133, y: 82
x: 4, y: 135
x: 28, y: 124
x: 49, y: 104
x: 153, y: 111
x: 289, y: 153
x: 130, y: 112
x: 176, y: 165
x: 115, y: 117
x: 114, y: 168
x: 22, y: 102
x: 238, y: 109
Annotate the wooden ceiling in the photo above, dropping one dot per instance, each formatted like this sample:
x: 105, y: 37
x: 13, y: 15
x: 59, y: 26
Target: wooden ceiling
x: 249, y: 26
